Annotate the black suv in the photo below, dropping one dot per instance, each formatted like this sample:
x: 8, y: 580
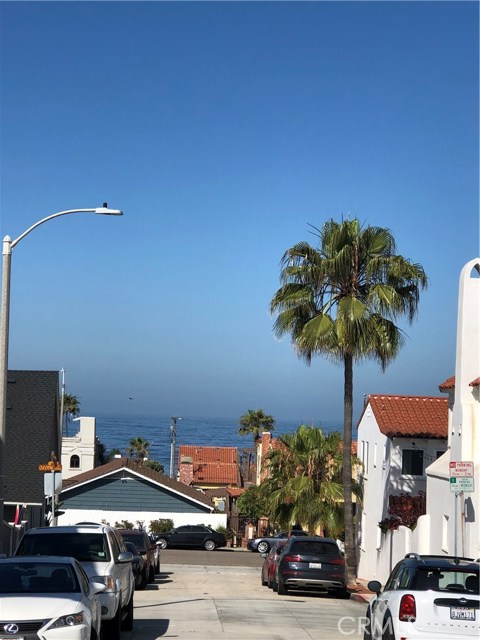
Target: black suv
x: 195, y: 535
x: 146, y: 549
x: 311, y: 563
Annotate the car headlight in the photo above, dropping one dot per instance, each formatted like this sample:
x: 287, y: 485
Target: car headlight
x: 107, y: 580
x: 70, y: 620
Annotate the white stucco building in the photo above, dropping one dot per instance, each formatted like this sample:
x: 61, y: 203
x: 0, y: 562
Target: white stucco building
x: 398, y: 437
x: 453, y: 521
x: 78, y: 451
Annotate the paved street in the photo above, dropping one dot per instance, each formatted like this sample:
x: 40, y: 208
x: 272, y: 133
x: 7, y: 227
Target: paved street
x: 212, y: 601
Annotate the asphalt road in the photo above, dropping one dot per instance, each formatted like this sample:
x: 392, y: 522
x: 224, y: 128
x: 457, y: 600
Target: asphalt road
x: 220, y: 557
x: 217, y: 595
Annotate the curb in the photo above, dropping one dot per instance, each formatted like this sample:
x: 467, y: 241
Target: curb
x: 361, y: 597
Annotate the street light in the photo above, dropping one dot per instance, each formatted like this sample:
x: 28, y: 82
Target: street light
x: 8, y: 245
x: 173, y: 429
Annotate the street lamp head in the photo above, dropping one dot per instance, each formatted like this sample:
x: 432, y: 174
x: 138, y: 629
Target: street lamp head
x: 105, y: 211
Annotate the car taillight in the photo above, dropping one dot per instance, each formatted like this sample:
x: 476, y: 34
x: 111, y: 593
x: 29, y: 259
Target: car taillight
x: 337, y: 561
x: 292, y: 559
x: 408, y: 610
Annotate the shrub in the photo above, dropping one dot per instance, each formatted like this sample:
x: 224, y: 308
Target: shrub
x: 160, y: 526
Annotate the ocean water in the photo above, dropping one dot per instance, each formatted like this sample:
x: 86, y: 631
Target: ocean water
x: 116, y: 431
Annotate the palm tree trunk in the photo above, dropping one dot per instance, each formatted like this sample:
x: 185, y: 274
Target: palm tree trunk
x: 350, y: 550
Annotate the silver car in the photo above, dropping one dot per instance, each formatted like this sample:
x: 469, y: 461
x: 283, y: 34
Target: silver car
x: 102, y: 553
x: 262, y: 544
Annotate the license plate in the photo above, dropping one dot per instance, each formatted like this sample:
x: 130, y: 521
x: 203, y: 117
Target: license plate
x: 13, y: 638
x: 314, y: 565
x: 460, y: 613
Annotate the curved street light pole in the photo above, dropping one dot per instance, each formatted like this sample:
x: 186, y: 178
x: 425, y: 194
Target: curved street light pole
x: 8, y: 245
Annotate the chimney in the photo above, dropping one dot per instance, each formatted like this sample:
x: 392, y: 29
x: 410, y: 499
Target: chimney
x: 185, y: 470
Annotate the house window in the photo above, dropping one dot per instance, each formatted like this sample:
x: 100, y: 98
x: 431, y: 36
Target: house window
x: 74, y: 462
x: 438, y: 454
x: 412, y: 462
x: 367, y: 448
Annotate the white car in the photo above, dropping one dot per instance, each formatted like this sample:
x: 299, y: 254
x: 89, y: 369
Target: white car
x: 429, y: 597
x: 101, y: 552
x: 48, y: 597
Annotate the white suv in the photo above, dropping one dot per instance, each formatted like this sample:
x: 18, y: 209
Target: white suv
x: 426, y: 597
x: 102, y: 553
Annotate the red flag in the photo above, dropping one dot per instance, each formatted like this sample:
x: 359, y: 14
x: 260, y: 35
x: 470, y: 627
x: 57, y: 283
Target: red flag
x: 17, y: 515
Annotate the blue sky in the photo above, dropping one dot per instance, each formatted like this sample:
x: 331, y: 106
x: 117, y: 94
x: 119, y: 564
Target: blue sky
x: 223, y: 130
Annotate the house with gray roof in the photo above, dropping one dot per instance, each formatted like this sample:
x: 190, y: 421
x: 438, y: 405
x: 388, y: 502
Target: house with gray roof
x: 126, y: 490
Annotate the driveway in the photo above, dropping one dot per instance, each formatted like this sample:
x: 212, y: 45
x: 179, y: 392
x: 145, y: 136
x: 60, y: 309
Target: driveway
x: 227, y: 602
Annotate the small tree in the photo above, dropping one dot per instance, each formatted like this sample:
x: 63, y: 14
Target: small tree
x: 161, y: 526
x: 252, y: 503
x: 123, y: 524
x: 153, y: 464
x: 255, y: 421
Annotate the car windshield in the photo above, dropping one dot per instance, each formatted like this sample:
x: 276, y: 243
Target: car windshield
x: 450, y: 580
x: 41, y: 577
x: 135, y: 539
x: 85, y: 547
x: 312, y: 547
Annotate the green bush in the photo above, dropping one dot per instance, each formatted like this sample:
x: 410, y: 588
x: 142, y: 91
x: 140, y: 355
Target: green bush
x: 160, y: 526
x: 226, y: 531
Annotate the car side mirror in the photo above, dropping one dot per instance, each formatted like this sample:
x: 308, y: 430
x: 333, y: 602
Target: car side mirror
x: 375, y: 586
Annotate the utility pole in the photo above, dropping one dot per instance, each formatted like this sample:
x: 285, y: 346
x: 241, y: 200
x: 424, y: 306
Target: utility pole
x: 173, y: 437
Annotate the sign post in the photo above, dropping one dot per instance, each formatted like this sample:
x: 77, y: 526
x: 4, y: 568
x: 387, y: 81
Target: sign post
x: 461, y: 481
x: 52, y: 466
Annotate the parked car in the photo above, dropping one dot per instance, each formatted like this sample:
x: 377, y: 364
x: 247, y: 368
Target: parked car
x: 147, y: 549
x: 426, y: 597
x: 269, y: 566
x: 138, y: 566
x: 48, y: 597
x: 312, y: 563
x: 197, y: 535
x: 101, y: 552
x: 262, y: 544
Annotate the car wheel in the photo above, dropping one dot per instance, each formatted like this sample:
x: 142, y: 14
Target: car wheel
x: 282, y: 589
x: 113, y: 626
x: 343, y: 594
x: 263, y: 546
x: 209, y: 545
x: 127, y: 622
x: 143, y: 581
x: 270, y: 583
x: 388, y: 632
x: 162, y: 543
x: 264, y: 582
x: 151, y: 575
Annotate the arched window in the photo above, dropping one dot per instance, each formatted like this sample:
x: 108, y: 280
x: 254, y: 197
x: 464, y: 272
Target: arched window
x: 75, y: 462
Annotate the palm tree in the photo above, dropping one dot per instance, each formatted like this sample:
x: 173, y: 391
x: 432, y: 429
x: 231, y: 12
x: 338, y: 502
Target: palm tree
x: 138, y: 449
x: 305, y: 480
x: 255, y: 421
x: 342, y: 301
x: 71, y: 409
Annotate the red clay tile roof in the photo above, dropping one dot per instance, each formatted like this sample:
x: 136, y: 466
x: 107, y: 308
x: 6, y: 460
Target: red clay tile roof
x: 215, y: 473
x: 448, y: 384
x: 235, y: 491
x: 209, y: 454
x: 411, y: 416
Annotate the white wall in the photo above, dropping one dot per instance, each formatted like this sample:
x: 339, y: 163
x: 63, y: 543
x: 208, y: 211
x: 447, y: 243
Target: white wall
x: 382, y: 476
x: 81, y: 444
x: 72, y: 516
x: 374, y: 451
